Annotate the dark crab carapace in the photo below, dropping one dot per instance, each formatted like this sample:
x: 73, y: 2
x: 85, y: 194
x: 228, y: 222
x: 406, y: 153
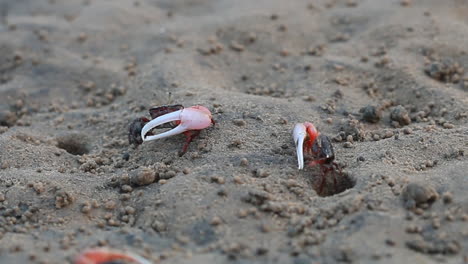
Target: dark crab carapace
x: 324, y: 156
x: 323, y: 149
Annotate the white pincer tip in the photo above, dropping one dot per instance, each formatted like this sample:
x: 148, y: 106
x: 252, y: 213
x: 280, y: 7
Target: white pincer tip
x: 170, y: 117
x: 299, y: 134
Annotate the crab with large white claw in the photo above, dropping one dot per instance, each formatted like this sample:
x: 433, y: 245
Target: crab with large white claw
x: 303, y: 132
x: 192, y: 118
x: 189, y: 121
x: 317, y: 147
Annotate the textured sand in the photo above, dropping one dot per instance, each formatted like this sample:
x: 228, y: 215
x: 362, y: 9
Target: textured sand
x: 75, y: 73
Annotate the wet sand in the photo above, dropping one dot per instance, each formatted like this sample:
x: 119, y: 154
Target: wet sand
x: 385, y: 80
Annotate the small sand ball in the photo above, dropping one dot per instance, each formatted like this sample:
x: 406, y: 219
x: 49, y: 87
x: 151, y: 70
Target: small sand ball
x: 445, y: 70
x: 142, y: 177
x: 351, y: 127
x: 418, y: 194
x: 371, y: 114
x: 244, y: 162
x: 261, y: 173
x: 63, y: 199
x: 110, y: 205
x: 216, y: 221
x: 126, y: 188
x: 400, y: 114
x: 88, y: 166
x: 86, y: 208
x: 7, y: 118
x: 447, y: 197
x: 38, y: 187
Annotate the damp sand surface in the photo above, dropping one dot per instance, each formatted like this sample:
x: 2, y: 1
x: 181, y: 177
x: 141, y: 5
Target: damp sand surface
x: 384, y: 80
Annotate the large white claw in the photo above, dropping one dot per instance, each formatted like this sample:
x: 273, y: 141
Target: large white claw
x: 299, y: 134
x: 170, y: 117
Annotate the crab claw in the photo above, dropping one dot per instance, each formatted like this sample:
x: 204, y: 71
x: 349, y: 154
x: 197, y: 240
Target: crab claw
x: 299, y: 134
x: 192, y: 118
x: 303, y: 133
x: 105, y: 255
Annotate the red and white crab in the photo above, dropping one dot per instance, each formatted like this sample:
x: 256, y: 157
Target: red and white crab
x: 318, y: 148
x: 189, y: 121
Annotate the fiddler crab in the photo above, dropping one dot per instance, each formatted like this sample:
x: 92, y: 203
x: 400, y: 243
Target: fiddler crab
x: 108, y: 256
x: 189, y: 121
x: 318, y: 147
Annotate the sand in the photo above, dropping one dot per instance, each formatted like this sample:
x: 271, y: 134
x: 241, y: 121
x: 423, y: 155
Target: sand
x: 385, y: 80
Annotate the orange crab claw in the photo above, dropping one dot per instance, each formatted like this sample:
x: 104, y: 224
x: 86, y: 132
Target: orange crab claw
x: 105, y: 255
x: 304, y: 135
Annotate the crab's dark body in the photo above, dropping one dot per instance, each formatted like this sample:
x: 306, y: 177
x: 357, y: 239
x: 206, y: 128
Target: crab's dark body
x: 165, y: 109
x: 134, y: 130
x: 323, y: 149
x: 324, y: 156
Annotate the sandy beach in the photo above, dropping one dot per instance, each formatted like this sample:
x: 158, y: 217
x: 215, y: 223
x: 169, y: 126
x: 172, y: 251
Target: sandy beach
x: 385, y: 80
